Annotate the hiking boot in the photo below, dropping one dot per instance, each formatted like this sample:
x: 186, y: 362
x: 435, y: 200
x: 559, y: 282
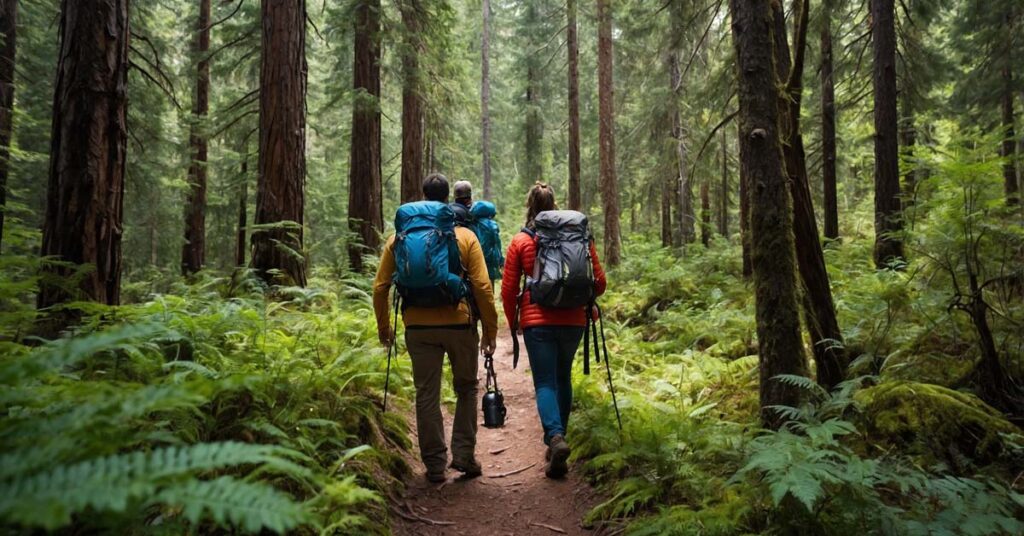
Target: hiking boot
x: 469, y: 468
x: 557, y: 466
x: 437, y: 476
x: 547, y: 454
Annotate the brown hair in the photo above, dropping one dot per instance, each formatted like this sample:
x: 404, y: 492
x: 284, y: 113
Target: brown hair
x: 540, y: 198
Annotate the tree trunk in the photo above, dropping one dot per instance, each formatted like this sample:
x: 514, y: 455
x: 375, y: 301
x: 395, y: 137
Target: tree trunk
x: 606, y: 136
x: 193, y: 250
x: 485, y: 97
x: 667, y: 192
x: 723, y: 192
x: 533, y: 128
x: 819, y: 309
x: 888, y: 220
x: 282, y: 172
x: 1009, y: 140
x: 85, y: 193
x: 705, y: 214
x: 575, y: 199
x: 908, y: 139
x: 684, y: 203
x: 412, y: 103
x: 243, y: 219
x: 748, y: 265
x: 365, y: 211
x: 828, y: 127
x: 771, y: 219
x: 8, y: 50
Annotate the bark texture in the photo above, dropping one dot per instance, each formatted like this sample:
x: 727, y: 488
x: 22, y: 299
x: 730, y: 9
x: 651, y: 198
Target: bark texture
x: 606, y: 135
x: 8, y: 49
x: 748, y: 265
x: 572, y: 43
x: 365, y: 210
x: 819, y: 309
x: 888, y: 218
x: 243, y: 218
x: 771, y: 218
x: 412, y: 102
x: 908, y: 139
x: 723, y: 192
x: 828, y: 127
x: 485, y: 96
x: 85, y: 191
x: 282, y: 163
x: 193, y: 251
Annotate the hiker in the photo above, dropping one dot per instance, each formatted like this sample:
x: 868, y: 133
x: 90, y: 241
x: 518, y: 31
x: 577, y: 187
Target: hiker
x: 479, y: 218
x: 463, y: 193
x: 438, y: 320
x: 552, y: 333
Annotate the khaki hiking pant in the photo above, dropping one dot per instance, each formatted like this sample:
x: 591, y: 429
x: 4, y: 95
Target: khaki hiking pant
x: 427, y: 347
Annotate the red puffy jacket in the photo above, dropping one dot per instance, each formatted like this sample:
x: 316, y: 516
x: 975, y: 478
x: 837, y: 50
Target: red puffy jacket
x: 522, y: 252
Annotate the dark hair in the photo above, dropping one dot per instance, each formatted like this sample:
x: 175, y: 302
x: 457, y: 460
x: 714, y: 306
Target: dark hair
x: 540, y: 198
x: 435, y: 187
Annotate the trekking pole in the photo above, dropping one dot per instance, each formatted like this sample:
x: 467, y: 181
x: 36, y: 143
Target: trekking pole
x: 393, y: 345
x: 607, y: 367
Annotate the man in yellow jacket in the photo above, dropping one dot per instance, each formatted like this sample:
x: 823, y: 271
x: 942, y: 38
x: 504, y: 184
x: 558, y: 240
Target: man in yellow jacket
x: 430, y: 333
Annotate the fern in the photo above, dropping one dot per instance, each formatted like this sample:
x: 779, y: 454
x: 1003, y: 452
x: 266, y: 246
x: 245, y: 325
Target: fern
x: 229, y: 502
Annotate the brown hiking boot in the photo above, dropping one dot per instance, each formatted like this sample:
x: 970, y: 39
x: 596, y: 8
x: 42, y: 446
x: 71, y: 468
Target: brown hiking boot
x: 557, y: 466
x: 469, y: 468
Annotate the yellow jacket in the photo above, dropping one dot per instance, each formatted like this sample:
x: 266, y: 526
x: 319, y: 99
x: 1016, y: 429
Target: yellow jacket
x: 479, y: 282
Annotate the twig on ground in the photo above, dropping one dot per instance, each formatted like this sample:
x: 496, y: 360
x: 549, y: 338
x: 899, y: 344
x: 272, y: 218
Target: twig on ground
x: 497, y: 451
x: 549, y: 527
x: 510, y: 473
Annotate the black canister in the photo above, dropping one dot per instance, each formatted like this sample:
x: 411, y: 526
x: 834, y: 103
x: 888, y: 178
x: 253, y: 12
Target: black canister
x: 494, y: 409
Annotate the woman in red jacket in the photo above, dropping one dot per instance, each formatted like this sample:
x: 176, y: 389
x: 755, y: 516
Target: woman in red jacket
x: 552, y: 336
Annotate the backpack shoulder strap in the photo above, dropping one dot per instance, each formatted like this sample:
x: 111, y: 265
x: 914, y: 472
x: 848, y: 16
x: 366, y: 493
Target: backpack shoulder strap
x: 530, y: 232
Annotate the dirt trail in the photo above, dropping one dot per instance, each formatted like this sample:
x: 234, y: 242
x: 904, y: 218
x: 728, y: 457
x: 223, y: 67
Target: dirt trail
x: 522, y: 503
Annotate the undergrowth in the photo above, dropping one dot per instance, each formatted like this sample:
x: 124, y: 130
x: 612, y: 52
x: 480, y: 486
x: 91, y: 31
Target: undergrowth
x: 692, y: 458
x: 208, y: 406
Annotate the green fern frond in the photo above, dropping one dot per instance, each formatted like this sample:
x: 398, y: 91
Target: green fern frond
x: 230, y: 502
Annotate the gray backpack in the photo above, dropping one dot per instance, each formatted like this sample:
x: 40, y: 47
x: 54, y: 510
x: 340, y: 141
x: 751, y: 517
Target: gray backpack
x: 563, y: 273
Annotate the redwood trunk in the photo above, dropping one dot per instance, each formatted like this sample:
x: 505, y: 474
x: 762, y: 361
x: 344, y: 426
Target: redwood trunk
x: 485, y: 97
x: 412, y: 104
x: 8, y: 49
x: 667, y: 192
x: 828, y: 127
x: 365, y: 211
x: 606, y: 135
x: 572, y: 42
x: 193, y: 251
x: 85, y: 193
x: 1009, y: 140
x: 282, y: 163
x: 243, y: 219
x: 748, y: 265
x: 723, y: 192
x: 771, y: 219
x: 819, y: 309
x: 888, y: 220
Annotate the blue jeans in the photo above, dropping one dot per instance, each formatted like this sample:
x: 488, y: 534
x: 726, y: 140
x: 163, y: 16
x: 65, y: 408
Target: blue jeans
x: 551, y: 350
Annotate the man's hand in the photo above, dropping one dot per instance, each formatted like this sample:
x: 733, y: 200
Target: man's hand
x: 386, y: 336
x: 487, y: 345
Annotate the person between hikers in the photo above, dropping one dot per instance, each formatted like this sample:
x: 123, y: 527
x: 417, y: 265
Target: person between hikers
x: 479, y: 217
x: 432, y: 332
x: 552, y: 335
x: 463, y: 193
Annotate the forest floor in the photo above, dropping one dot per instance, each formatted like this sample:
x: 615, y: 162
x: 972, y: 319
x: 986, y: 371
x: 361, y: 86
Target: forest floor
x: 513, y: 496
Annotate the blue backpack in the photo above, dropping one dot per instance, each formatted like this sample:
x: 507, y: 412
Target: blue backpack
x: 428, y: 268
x: 482, y: 223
